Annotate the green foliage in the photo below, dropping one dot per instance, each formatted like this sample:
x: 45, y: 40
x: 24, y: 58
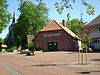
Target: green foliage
x: 32, y: 19
x: 90, y: 8
x: 5, y: 39
x: 68, y: 4
x: 77, y: 27
x: 86, y: 40
x: 5, y: 16
x: 11, y: 49
x: 60, y: 5
x: 2, y: 40
x: 0, y: 47
x: 31, y: 47
x: 0, y: 50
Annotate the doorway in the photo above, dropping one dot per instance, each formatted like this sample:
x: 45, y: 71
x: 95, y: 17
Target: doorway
x: 52, y: 46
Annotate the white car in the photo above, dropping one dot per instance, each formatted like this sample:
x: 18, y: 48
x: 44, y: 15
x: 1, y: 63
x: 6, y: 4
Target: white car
x: 23, y: 51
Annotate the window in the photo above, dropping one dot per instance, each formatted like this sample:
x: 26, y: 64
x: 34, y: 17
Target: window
x: 49, y: 44
x: 95, y: 41
x: 98, y: 41
x: 55, y: 44
x: 99, y: 29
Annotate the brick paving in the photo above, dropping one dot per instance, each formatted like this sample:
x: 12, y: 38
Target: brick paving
x: 50, y: 63
x: 4, y: 71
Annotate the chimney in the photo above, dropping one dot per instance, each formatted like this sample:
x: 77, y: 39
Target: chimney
x: 64, y: 23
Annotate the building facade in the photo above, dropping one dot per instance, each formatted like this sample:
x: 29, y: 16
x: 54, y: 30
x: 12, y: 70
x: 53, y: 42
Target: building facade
x: 55, y: 37
x: 93, y: 29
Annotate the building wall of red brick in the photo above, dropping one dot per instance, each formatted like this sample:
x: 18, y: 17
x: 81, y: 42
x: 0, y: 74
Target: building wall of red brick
x: 64, y: 40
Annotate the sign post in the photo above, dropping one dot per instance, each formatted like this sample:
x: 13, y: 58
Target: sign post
x: 82, y: 57
x: 79, y: 57
x: 86, y: 55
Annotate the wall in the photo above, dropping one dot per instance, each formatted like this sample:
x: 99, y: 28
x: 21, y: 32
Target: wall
x: 94, y: 31
x: 65, y: 41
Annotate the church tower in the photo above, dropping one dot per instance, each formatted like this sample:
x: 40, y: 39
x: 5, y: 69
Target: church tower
x: 11, y: 39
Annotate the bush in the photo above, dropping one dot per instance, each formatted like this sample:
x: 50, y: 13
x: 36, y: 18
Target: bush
x: 0, y: 50
x: 31, y: 47
x: 10, y: 49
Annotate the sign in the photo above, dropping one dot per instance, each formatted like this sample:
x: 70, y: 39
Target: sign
x: 30, y: 38
x: 52, y: 35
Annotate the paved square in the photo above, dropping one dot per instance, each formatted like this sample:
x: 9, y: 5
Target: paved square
x: 49, y: 63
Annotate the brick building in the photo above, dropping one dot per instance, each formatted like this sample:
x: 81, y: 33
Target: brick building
x: 55, y: 37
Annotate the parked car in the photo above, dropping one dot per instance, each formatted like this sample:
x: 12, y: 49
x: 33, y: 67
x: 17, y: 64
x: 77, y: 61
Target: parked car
x: 23, y: 51
x: 88, y: 49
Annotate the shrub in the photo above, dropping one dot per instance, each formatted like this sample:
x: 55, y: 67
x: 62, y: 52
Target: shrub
x: 0, y: 50
x: 10, y: 49
x: 31, y: 47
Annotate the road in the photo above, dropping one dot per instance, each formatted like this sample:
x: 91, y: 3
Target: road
x: 48, y: 63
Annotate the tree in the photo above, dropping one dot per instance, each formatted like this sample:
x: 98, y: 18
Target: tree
x: 68, y: 4
x: 5, y: 16
x: 31, y: 20
x: 77, y: 27
x: 1, y: 40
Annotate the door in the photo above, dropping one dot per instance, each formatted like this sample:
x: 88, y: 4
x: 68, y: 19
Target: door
x: 52, y: 46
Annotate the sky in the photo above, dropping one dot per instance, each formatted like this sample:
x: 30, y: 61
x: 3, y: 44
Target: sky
x: 78, y: 8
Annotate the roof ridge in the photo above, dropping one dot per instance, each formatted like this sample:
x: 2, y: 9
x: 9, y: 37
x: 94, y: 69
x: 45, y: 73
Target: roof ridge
x: 68, y: 30
x: 94, y: 21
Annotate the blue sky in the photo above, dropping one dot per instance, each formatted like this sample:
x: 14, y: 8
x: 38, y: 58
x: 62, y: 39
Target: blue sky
x: 53, y: 14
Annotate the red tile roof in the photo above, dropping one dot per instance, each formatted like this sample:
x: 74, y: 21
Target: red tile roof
x: 51, y: 26
x: 54, y: 25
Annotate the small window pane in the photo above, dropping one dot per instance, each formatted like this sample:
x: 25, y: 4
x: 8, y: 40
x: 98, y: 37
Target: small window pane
x: 99, y: 28
x: 54, y: 43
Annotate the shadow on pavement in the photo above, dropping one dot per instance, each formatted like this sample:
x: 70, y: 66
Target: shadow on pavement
x: 44, y: 65
x: 95, y: 59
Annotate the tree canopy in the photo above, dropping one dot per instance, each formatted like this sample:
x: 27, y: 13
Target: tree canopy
x: 77, y: 27
x: 60, y: 5
x: 31, y: 20
x: 1, y: 40
x: 5, y: 16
